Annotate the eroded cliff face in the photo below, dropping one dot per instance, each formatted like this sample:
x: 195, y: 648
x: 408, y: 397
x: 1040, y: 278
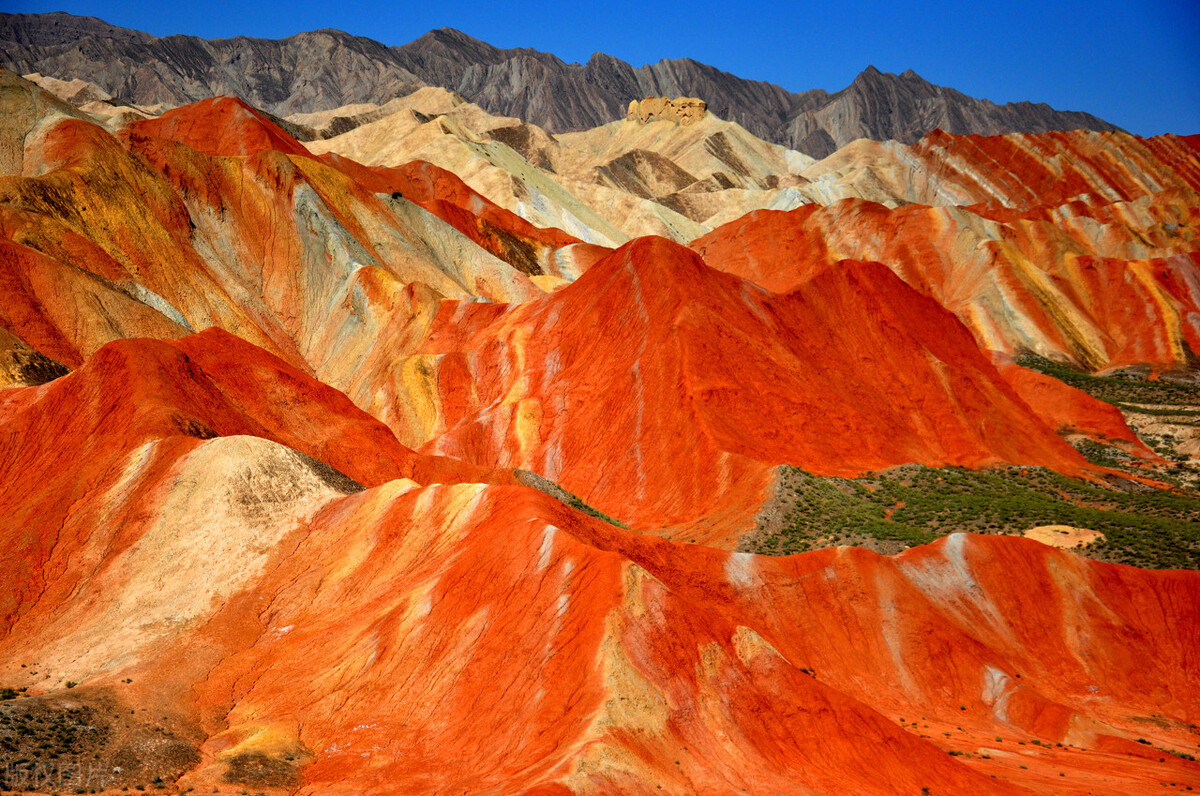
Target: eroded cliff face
x: 682, y: 110
x: 290, y: 552
x: 236, y: 569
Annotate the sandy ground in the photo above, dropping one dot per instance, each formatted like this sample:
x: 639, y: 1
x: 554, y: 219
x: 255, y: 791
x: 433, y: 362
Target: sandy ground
x: 1064, y: 536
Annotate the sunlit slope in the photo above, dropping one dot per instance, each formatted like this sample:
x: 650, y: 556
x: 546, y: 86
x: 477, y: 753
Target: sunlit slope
x: 254, y: 608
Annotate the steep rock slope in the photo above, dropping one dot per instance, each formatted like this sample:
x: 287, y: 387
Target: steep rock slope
x: 703, y: 358
x: 322, y: 70
x: 882, y: 106
x: 238, y: 612
x: 510, y: 162
x: 1102, y: 274
x: 310, y: 71
x: 142, y: 234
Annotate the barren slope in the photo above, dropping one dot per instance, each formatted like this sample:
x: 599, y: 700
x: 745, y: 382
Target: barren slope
x: 266, y: 606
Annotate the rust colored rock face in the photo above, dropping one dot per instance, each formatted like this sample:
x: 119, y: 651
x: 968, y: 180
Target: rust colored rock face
x: 700, y: 359
x: 291, y: 553
x: 265, y: 606
x: 1068, y: 410
x: 504, y: 234
x: 224, y: 126
x: 1101, y: 273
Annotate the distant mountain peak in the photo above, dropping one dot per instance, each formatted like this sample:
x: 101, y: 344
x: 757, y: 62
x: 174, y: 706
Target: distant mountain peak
x: 452, y: 34
x: 298, y: 75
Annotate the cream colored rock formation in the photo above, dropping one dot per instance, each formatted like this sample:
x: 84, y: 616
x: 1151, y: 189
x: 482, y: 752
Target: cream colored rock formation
x: 506, y: 160
x: 76, y: 92
x: 683, y: 110
x: 605, y: 185
x: 1064, y: 536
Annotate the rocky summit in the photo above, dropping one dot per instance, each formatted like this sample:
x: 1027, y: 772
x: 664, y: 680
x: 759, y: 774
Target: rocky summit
x: 684, y: 110
x: 380, y: 425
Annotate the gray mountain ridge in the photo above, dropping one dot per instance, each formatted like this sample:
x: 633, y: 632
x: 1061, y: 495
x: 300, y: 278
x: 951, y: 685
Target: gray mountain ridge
x: 325, y: 69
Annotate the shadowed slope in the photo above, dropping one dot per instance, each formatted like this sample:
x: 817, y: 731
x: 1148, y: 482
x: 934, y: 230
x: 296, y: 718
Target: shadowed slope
x: 531, y: 250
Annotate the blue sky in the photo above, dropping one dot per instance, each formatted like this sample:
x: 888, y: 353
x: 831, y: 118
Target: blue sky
x: 1136, y: 64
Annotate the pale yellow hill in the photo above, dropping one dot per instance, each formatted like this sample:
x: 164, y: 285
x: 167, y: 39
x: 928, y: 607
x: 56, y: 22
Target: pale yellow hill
x: 500, y: 158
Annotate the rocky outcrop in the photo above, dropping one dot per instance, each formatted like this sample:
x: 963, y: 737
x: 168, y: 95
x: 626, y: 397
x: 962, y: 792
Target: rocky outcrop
x: 318, y: 70
x: 681, y: 110
x: 326, y: 69
x: 884, y: 106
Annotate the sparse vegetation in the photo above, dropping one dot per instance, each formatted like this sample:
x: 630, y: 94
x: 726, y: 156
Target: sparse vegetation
x: 1163, y: 411
x: 54, y: 743
x: 913, y: 505
x: 527, y: 478
x: 1121, y: 389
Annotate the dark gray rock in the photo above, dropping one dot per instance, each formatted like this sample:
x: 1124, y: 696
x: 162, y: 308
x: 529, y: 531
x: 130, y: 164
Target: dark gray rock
x: 320, y: 70
x: 326, y: 69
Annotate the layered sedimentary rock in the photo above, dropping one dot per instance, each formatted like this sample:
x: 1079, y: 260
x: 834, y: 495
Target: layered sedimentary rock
x: 1018, y: 172
x: 510, y: 162
x: 682, y: 110
x: 689, y: 348
x: 624, y: 179
x: 322, y: 70
x: 231, y: 231
x: 237, y: 608
x: 1104, y: 279
x: 369, y: 278
x: 226, y: 550
x: 372, y: 319
x: 604, y: 185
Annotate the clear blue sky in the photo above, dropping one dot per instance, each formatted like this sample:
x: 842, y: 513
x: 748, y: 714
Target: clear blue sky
x: 1136, y: 64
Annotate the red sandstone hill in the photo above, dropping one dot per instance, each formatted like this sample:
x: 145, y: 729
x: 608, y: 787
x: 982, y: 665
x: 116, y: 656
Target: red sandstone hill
x: 228, y: 127
x: 253, y: 609
x: 1050, y: 169
x: 208, y: 216
x: 1078, y: 246
x: 718, y: 381
x: 1024, y: 284
x: 288, y: 553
